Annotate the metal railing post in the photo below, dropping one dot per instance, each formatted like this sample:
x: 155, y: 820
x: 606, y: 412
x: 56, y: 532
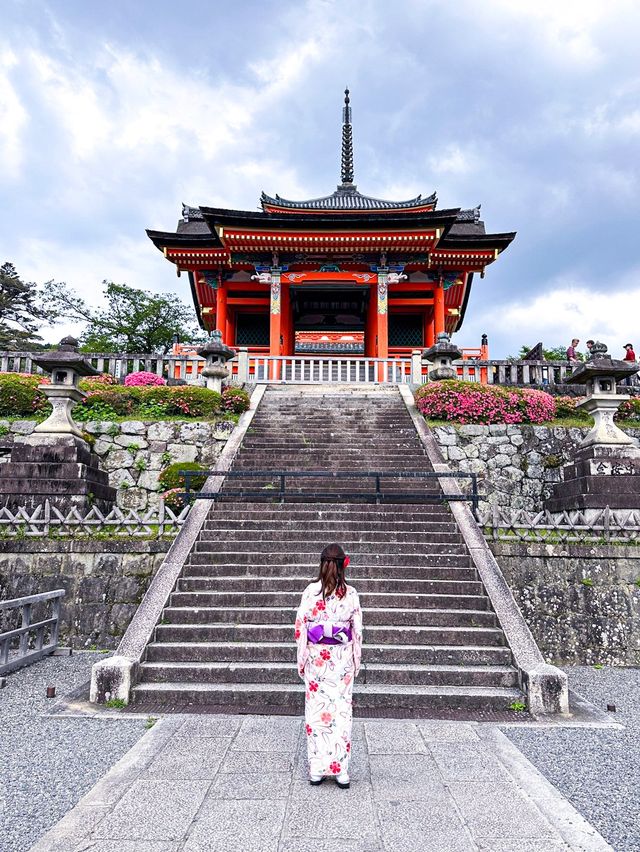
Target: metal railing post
x: 26, y: 622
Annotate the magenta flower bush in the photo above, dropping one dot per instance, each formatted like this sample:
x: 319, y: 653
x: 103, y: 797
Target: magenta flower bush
x: 143, y: 378
x: 468, y: 402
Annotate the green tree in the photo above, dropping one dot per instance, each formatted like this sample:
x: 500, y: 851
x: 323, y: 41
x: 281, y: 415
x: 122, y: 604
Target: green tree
x: 130, y: 320
x: 556, y: 353
x: 21, y: 312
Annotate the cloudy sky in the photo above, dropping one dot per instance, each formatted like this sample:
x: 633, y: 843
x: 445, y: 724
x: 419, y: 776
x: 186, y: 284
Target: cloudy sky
x: 113, y: 113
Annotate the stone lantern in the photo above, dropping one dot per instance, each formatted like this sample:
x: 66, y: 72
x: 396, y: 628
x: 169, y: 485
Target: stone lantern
x: 67, y: 367
x: 441, y: 354
x: 216, y: 354
x: 55, y: 462
x: 600, y: 374
x: 606, y: 468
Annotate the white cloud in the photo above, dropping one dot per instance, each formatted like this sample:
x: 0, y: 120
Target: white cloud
x: 13, y: 118
x: 566, y: 308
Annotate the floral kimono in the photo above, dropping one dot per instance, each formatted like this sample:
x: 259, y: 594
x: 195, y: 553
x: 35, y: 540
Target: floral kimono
x: 328, y: 671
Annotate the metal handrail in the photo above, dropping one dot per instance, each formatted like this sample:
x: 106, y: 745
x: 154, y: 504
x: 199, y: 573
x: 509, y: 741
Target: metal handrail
x: 379, y: 495
x: 24, y: 654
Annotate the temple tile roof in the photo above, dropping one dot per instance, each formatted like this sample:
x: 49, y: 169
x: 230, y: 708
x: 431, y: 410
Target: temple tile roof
x: 347, y: 197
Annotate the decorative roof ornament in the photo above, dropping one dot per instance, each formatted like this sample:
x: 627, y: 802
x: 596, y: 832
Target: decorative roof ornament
x: 346, y: 172
x: 346, y: 198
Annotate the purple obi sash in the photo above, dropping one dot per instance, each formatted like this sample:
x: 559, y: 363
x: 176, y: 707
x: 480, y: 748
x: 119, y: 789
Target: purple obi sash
x: 326, y: 633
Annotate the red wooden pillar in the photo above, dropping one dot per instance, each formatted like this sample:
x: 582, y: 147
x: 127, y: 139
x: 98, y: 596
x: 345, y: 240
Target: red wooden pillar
x: 429, y: 328
x: 275, y: 323
x: 221, y: 311
x: 382, y: 323
x: 438, y: 309
x: 286, y: 327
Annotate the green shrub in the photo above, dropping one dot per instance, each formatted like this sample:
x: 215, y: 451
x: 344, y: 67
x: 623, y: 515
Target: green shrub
x: 171, y: 478
x: 148, y: 402
x: 194, y: 401
x: 566, y: 408
x: 119, y: 400
x: 96, y: 411
x: 630, y: 411
x: 19, y: 395
x: 235, y: 400
x: 91, y: 383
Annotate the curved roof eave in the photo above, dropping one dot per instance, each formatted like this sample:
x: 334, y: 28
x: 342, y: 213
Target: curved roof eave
x: 347, y: 199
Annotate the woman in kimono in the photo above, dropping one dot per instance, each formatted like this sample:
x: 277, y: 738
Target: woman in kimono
x: 329, y: 640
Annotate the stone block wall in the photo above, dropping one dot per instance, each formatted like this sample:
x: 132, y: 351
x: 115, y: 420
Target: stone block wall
x: 134, y: 452
x: 581, y: 603
x: 104, y: 582
x: 517, y: 465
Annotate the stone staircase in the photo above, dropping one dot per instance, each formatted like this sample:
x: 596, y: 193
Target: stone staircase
x: 432, y: 641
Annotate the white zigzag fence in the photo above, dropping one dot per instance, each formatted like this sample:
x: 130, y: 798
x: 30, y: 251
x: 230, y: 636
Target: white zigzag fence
x: 48, y: 521
x: 591, y: 526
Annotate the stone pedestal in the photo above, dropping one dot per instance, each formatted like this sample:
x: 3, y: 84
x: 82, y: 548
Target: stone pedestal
x: 600, y: 475
x: 61, y: 468
x: 605, y: 470
x: 55, y: 461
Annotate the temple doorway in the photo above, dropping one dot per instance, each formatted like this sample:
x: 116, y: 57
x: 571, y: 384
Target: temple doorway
x: 329, y: 320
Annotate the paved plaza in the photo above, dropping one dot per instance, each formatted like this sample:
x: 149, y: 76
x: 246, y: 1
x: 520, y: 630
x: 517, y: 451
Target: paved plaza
x: 200, y: 783
x: 196, y: 782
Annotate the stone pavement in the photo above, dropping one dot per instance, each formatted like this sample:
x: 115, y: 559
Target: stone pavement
x: 205, y: 783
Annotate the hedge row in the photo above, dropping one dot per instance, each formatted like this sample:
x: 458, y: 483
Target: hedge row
x: 20, y: 397
x: 468, y: 402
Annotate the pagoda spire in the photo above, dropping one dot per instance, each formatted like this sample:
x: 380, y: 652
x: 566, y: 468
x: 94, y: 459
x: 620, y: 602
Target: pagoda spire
x: 347, y: 142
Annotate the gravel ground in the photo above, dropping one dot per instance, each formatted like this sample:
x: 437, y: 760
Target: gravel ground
x: 597, y: 770
x: 48, y: 764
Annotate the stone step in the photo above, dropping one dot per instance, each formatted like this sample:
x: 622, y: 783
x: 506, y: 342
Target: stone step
x: 371, y: 673
x: 381, y: 585
x: 272, y: 616
x: 199, y: 565
x: 390, y: 557
x: 386, y: 654
x: 431, y: 542
x: 357, y: 549
x: 385, y: 516
x: 435, y: 530
x: 394, y: 634
x: 411, y: 701
x: 231, y: 600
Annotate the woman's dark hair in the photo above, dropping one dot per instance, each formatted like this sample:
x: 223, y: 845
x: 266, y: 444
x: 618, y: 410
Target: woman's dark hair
x: 331, y: 574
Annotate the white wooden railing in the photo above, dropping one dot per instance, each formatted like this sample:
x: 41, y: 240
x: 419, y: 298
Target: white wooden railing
x: 328, y: 370
x: 310, y: 369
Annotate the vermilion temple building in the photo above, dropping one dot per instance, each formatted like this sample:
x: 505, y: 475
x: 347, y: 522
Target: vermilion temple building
x: 344, y: 273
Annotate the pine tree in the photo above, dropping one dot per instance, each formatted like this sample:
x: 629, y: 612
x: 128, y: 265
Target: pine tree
x: 20, y: 311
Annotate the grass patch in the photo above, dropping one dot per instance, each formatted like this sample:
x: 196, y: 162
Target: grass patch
x: 518, y: 706
x: 115, y: 703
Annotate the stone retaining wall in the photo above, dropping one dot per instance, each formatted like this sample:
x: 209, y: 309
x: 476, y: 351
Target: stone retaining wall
x: 581, y: 603
x: 104, y: 582
x: 134, y: 452
x: 517, y: 465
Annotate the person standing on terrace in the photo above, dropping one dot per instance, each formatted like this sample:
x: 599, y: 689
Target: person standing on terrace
x: 328, y: 633
x: 572, y: 355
